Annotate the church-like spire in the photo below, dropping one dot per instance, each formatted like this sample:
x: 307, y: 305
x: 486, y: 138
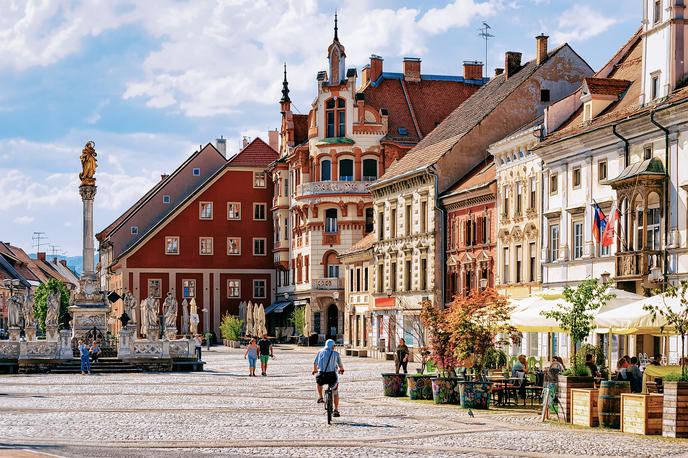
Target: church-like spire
x: 285, y: 87
x: 335, y: 26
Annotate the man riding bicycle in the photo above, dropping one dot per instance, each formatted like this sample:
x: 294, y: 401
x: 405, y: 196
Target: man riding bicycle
x: 325, y: 365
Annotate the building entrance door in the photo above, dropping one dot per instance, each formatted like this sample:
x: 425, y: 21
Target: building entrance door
x: 332, y: 321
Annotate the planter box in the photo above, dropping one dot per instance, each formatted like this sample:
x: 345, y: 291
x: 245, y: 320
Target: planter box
x: 394, y: 385
x: 566, y: 384
x: 642, y: 413
x: 675, y: 423
x: 584, y: 407
x: 475, y: 395
x: 445, y: 390
x: 419, y: 387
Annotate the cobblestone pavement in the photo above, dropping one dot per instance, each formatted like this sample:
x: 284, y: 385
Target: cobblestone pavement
x: 223, y: 412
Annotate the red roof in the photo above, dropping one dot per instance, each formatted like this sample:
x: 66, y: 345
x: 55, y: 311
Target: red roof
x: 606, y: 86
x: 483, y: 174
x: 256, y: 154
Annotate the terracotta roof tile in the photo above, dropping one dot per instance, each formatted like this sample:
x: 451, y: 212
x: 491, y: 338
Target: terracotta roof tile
x: 606, y: 86
x: 256, y: 154
x: 362, y: 245
x: 481, y: 175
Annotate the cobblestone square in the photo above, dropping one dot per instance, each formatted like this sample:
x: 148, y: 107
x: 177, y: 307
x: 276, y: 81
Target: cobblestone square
x: 223, y: 412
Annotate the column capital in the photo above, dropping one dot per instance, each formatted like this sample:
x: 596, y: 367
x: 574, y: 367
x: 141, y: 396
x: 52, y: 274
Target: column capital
x: 87, y: 192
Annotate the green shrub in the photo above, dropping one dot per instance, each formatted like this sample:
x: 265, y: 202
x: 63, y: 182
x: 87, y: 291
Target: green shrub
x: 676, y: 377
x: 230, y: 327
x: 298, y: 319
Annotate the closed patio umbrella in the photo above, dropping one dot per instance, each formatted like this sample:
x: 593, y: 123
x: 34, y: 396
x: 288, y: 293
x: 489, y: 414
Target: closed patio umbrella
x: 249, y: 319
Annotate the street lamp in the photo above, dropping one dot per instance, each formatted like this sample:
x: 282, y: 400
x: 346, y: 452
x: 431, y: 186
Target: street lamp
x: 483, y: 283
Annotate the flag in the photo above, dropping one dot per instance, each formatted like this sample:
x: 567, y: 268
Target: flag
x: 599, y: 223
x: 609, y: 232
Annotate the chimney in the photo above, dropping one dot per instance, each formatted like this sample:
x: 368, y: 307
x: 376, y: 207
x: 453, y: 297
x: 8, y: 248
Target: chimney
x: 499, y: 71
x: 63, y: 262
x: 41, y: 255
x: 375, y: 67
x: 541, y: 48
x: 472, y: 70
x: 365, y: 75
x: 512, y: 63
x: 221, y: 145
x: 412, y: 69
x: 244, y: 142
x: 163, y: 176
x: 273, y: 139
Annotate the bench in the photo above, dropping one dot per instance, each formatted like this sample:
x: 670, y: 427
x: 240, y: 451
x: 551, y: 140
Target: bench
x: 363, y: 353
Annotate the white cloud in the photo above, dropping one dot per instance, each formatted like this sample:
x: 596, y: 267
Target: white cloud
x: 460, y: 13
x: 23, y: 219
x: 581, y: 23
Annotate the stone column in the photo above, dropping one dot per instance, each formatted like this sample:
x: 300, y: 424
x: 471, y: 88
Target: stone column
x: 87, y: 195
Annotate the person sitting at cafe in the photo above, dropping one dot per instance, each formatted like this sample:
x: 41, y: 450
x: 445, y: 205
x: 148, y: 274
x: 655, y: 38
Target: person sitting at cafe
x: 657, y: 360
x: 592, y: 366
x: 519, y: 370
x: 622, y: 370
x: 635, y: 376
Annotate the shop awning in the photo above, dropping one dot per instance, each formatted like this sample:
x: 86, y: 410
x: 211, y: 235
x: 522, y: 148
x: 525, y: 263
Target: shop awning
x: 277, y: 307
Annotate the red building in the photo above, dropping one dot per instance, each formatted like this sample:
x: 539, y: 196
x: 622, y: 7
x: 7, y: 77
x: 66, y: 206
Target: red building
x: 213, y: 245
x: 471, y: 237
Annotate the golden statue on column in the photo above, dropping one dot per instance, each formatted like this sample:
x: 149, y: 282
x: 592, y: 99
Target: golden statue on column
x: 88, y: 165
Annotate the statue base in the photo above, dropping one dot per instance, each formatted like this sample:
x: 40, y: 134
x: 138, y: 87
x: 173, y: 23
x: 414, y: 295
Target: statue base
x: 125, y: 344
x: 153, y: 333
x: 14, y: 333
x: 66, y: 351
x: 51, y: 334
x: 171, y: 333
x: 30, y: 335
x: 88, y: 318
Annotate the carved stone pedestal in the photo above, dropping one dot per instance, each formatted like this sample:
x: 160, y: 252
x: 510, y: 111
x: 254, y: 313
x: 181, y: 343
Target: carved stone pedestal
x: 51, y: 334
x: 171, y: 333
x: 85, y: 318
x: 153, y: 333
x: 30, y: 334
x: 66, y: 351
x: 126, y: 343
x: 14, y: 333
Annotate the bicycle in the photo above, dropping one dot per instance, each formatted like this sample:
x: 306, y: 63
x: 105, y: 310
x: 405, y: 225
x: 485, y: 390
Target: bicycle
x: 329, y: 404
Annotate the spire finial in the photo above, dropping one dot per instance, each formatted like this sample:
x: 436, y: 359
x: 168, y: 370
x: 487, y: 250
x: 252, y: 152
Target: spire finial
x: 335, y: 25
x: 285, y: 87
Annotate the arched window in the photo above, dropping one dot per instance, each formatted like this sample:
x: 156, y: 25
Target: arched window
x: 331, y: 262
x: 335, y: 116
x: 369, y: 169
x: 346, y: 170
x: 326, y: 170
x: 331, y: 220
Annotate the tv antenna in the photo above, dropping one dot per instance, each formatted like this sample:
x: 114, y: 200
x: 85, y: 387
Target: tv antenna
x: 55, y: 250
x: 37, y: 237
x: 484, y: 32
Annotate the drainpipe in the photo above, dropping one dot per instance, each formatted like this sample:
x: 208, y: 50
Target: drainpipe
x: 443, y: 240
x: 625, y: 140
x: 666, y: 195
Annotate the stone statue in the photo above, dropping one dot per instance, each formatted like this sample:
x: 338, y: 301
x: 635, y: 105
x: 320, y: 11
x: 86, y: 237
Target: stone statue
x: 14, y: 306
x: 170, y: 311
x: 194, y: 319
x: 52, y: 309
x: 88, y: 165
x: 185, y: 317
x: 29, y: 317
x: 144, y: 316
x: 130, y: 306
x: 152, y: 310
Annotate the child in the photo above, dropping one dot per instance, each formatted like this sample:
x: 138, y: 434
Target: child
x: 85, y: 358
x: 252, y: 354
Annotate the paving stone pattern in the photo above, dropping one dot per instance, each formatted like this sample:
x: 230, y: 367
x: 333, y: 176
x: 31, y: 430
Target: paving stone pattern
x: 223, y: 412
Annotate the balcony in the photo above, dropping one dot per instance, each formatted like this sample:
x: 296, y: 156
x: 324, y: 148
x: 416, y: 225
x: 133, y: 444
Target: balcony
x: 330, y: 238
x: 316, y: 188
x: 328, y: 283
x: 636, y: 264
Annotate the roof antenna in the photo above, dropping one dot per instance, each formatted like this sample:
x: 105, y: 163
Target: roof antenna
x: 484, y: 32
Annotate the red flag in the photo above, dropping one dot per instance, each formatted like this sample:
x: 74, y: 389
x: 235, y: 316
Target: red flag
x: 610, y: 229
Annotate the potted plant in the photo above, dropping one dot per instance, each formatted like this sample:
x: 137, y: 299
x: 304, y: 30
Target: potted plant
x: 420, y: 383
x: 478, y: 322
x: 576, y: 317
x: 675, y: 416
x: 230, y: 329
x: 444, y: 385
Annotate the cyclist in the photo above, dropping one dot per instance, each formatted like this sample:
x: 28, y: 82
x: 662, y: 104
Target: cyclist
x: 325, y: 364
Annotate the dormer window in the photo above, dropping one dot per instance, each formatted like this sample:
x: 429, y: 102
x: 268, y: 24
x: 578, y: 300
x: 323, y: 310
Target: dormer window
x: 657, y: 11
x: 335, y: 116
x: 654, y: 86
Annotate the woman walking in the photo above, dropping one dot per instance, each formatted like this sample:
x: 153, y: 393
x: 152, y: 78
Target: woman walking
x: 85, y: 358
x: 252, y: 354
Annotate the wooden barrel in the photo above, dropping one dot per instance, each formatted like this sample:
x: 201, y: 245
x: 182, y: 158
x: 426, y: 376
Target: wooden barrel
x: 609, y: 402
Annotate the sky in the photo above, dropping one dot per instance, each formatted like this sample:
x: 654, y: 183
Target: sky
x: 150, y: 81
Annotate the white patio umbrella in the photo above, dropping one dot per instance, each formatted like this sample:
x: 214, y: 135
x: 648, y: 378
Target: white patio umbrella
x: 249, y: 319
x: 307, y: 321
x: 260, y: 314
x: 632, y: 318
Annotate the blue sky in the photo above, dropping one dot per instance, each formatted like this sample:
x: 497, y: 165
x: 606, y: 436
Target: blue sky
x: 150, y: 81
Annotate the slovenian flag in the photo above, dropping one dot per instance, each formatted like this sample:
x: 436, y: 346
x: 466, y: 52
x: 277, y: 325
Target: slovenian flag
x: 609, y: 232
x: 599, y: 222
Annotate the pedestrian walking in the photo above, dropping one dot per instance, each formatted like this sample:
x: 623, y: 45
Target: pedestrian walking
x: 401, y: 357
x: 85, y: 358
x: 252, y: 355
x: 198, y: 344
x: 265, y: 347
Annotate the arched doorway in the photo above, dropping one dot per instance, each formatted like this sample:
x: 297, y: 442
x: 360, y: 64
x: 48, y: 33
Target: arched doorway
x: 332, y: 321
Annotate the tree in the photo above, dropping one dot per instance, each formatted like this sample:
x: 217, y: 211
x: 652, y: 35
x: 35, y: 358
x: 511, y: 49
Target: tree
x: 40, y: 305
x: 576, y: 315
x: 298, y: 319
x: 436, y: 321
x: 230, y: 327
x: 479, y: 324
x: 675, y: 319
x: 410, y: 322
